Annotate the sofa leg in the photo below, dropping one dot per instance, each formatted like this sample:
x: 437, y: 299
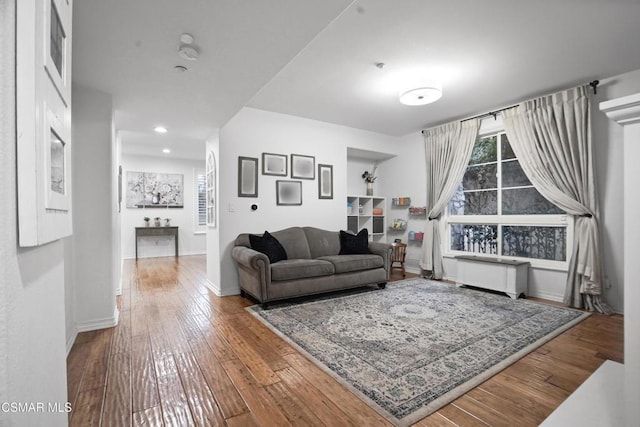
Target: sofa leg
x: 243, y: 294
x: 264, y: 305
x: 382, y: 285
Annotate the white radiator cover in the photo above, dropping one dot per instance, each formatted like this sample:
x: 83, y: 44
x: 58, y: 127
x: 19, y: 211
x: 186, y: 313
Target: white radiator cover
x: 502, y: 275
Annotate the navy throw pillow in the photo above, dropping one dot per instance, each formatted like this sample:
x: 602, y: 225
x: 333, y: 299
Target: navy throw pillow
x: 354, y: 244
x: 268, y: 245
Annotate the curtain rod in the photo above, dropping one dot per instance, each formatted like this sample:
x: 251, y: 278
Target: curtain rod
x: 594, y: 85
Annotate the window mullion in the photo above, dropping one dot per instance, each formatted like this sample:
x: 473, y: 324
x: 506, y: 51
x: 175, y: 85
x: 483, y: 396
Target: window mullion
x: 499, y: 198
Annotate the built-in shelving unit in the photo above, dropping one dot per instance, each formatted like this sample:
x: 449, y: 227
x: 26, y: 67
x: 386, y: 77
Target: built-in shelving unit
x: 367, y: 212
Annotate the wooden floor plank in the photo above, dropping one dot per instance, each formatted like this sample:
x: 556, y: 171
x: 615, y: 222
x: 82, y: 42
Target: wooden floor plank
x: 460, y: 417
x: 265, y: 411
x: 226, y: 395
x: 358, y: 412
x: 150, y: 417
x: 88, y: 408
x: 434, y: 420
x: 116, y: 410
x: 203, y: 406
x: 183, y: 356
x: 173, y: 399
x: 244, y: 420
x: 143, y: 376
x: 327, y: 411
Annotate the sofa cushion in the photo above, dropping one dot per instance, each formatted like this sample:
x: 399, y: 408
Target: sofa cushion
x: 300, y: 268
x: 294, y: 241
x: 268, y: 245
x: 322, y: 242
x: 354, y: 244
x: 350, y: 263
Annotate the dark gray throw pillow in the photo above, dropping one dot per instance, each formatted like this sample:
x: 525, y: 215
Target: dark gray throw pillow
x: 268, y: 245
x: 354, y: 244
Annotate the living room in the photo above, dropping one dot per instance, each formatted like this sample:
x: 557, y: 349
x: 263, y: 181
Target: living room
x: 253, y: 123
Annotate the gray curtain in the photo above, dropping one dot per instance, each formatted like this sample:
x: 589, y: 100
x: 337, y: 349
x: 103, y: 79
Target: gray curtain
x: 551, y: 136
x: 448, y: 151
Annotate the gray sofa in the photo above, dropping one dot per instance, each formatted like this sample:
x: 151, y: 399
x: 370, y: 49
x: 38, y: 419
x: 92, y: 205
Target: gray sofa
x: 313, y: 265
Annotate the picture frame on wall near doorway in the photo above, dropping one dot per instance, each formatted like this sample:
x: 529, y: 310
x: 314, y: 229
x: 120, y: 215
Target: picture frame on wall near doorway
x: 325, y: 181
x: 274, y: 164
x: 303, y: 167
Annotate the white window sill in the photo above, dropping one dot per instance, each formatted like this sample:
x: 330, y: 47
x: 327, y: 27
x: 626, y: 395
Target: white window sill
x: 534, y: 263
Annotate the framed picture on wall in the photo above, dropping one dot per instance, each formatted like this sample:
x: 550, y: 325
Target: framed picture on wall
x: 274, y: 164
x: 303, y: 167
x: 325, y: 181
x: 247, y: 177
x: 289, y: 193
x: 155, y: 190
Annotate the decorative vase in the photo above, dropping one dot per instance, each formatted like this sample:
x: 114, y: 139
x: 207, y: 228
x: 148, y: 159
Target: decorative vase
x: 369, y: 188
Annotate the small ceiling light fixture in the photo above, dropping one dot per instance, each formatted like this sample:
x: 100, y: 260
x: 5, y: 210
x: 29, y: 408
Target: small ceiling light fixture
x: 160, y: 129
x: 422, y: 95
x: 186, y: 49
x: 166, y: 150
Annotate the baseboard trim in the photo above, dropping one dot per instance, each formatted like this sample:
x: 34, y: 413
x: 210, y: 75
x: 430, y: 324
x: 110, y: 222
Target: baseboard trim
x: 218, y: 291
x: 93, y: 325
x: 547, y: 295
x: 71, y: 341
x: 119, y: 285
x: 133, y: 256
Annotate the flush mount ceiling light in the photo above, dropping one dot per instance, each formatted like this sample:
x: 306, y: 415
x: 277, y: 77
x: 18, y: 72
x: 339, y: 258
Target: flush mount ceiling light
x: 160, y: 129
x: 186, y: 49
x: 166, y: 150
x: 421, y: 95
x: 419, y: 85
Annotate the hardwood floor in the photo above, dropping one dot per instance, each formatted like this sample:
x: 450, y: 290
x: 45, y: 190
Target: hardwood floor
x: 181, y: 356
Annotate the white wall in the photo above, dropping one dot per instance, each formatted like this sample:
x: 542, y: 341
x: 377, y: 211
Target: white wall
x: 609, y: 155
x: 32, y: 294
x: 94, y: 225
x: 189, y: 243
x: 355, y: 184
x: 252, y: 132
x: 116, y: 245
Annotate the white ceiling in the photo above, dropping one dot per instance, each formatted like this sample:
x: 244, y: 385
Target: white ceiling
x: 316, y: 59
x: 128, y: 48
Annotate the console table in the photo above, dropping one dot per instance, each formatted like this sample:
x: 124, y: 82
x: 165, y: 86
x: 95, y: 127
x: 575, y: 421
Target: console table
x: 157, y: 231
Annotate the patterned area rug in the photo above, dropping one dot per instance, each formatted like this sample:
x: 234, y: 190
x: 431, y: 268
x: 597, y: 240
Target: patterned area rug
x: 411, y: 348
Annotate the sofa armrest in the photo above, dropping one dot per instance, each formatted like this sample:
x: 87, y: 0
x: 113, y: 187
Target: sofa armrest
x: 384, y: 250
x: 254, y: 271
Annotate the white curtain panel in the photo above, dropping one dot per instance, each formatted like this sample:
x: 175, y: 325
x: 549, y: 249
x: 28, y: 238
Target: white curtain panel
x: 448, y: 151
x: 551, y: 136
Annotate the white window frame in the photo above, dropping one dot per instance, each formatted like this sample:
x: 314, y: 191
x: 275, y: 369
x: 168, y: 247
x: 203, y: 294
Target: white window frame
x: 199, y: 228
x: 489, y: 128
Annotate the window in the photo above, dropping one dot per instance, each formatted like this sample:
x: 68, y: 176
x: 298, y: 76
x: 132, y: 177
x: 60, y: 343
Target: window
x: 201, y: 198
x: 496, y: 211
x: 56, y: 39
